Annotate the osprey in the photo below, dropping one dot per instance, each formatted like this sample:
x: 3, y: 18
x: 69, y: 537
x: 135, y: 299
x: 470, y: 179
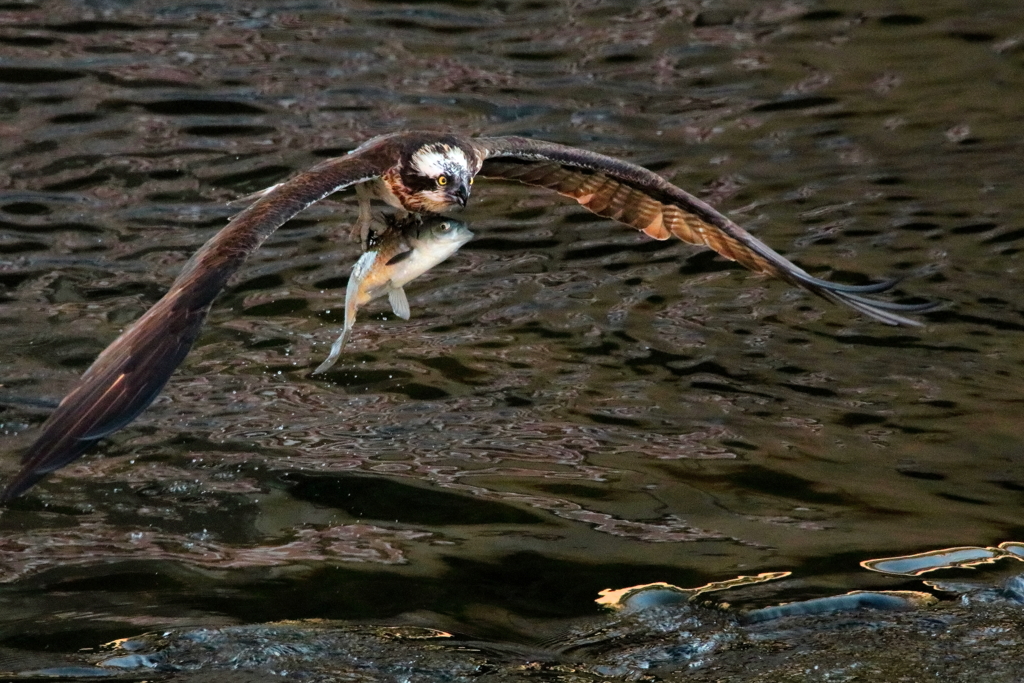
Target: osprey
x: 415, y: 172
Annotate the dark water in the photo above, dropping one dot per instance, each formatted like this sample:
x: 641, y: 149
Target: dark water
x: 572, y: 406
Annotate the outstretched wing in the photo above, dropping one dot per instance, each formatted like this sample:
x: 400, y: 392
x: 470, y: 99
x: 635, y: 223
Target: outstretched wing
x: 130, y: 373
x: 644, y: 200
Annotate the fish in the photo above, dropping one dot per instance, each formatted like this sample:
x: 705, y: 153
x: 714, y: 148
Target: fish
x: 404, y: 250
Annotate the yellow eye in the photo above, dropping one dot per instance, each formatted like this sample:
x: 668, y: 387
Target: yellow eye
x: 442, y: 180
x: 470, y: 181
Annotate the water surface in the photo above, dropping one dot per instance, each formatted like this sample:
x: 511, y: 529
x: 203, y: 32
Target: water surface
x: 572, y: 406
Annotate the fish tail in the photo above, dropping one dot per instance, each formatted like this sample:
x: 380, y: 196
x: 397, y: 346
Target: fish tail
x: 336, y: 348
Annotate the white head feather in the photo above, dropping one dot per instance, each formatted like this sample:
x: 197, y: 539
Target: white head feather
x: 440, y: 159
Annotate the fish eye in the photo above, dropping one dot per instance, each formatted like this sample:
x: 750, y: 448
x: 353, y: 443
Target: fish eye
x: 445, y: 227
x: 442, y: 180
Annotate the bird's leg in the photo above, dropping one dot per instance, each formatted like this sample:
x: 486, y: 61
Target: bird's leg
x: 361, y: 228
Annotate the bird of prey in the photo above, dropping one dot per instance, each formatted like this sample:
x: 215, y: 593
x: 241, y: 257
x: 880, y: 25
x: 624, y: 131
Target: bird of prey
x: 416, y: 172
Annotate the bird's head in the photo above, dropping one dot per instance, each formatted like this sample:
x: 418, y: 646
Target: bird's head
x: 438, y: 176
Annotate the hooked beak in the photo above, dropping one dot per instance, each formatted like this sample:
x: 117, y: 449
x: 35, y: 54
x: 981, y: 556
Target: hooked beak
x: 462, y: 194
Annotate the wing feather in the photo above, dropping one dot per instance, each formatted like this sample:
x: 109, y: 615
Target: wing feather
x: 130, y: 373
x: 642, y: 199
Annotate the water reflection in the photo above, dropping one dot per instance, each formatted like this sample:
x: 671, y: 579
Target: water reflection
x: 24, y: 555
x: 626, y: 645
x: 947, y: 558
x: 661, y: 593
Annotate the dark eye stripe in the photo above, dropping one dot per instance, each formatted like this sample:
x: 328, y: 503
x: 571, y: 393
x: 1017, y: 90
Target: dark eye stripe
x: 416, y: 182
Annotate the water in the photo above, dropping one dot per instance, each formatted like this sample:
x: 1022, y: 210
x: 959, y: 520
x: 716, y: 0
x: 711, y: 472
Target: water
x: 572, y: 406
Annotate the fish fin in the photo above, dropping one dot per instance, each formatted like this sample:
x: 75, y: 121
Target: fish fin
x: 399, y: 302
x: 398, y: 258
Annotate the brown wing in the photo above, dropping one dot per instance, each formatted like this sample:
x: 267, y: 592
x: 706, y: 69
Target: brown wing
x: 644, y: 200
x: 129, y: 374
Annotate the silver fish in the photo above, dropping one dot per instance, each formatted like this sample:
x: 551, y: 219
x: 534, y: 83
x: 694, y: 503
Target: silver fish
x: 407, y: 248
